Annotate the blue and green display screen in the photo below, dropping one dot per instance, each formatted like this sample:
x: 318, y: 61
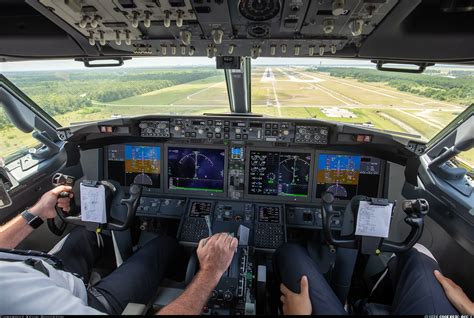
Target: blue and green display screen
x: 198, y: 169
x: 276, y: 173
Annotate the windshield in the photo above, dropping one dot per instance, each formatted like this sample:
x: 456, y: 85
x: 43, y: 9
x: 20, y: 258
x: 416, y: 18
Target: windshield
x: 338, y: 90
x: 355, y: 92
x: 71, y: 93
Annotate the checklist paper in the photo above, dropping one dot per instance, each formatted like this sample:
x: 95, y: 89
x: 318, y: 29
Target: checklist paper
x: 373, y: 220
x: 93, y: 204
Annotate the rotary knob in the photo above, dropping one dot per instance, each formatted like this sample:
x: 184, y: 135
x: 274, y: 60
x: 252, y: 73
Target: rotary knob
x: 228, y: 295
x: 214, y: 294
x: 200, y: 131
x: 177, y: 128
x: 286, y: 132
x: 217, y: 129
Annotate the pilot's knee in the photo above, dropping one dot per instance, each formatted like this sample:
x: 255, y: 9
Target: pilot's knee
x: 289, y: 251
x: 422, y: 250
x: 162, y: 242
x: 81, y: 235
x: 419, y: 252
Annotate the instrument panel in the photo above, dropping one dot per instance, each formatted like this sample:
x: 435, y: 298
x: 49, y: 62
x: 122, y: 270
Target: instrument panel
x: 262, y: 173
x: 239, y: 172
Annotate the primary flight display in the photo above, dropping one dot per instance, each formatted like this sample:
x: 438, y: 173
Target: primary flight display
x: 348, y: 175
x: 137, y: 164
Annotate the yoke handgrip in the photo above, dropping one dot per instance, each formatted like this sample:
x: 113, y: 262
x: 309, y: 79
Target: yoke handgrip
x: 416, y: 224
x: 327, y: 215
x: 131, y: 203
x: 416, y: 211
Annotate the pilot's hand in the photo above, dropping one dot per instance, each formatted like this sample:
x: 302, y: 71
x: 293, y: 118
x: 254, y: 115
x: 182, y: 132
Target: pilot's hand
x: 45, y: 207
x: 215, y: 253
x: 456, y: 295
x: 294, y: 303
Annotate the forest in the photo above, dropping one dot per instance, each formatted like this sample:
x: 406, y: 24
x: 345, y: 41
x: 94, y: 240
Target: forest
x: 61, y: 92
x: 458, y: 86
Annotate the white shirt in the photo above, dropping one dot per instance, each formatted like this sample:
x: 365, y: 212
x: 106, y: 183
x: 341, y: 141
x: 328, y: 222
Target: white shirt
x: 26, y: 291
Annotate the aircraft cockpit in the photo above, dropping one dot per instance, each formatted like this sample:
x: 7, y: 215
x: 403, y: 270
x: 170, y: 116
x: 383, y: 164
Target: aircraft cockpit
x: 299, y: 134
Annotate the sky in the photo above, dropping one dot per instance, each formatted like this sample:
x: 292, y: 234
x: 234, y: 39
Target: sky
x: 52, y: 65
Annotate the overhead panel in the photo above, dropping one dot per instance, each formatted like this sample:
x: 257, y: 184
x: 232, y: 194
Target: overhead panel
x: 293, y: 28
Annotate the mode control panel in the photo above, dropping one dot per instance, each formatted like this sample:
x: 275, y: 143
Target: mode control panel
x: 235, y: 130
x: 312, y: 135
x: 154, y: 128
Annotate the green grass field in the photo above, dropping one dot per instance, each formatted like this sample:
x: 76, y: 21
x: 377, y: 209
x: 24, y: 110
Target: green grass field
x: 179, y: 94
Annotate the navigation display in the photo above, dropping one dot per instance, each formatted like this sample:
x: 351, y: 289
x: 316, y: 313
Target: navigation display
x: 269, y: 214
x: 196, y: 169
x: 137, y: 164
x: 348, y: 175
x: 276, y: 173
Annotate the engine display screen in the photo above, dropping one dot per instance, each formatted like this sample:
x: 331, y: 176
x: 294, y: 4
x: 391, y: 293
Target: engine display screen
x: 137, y: 164
x: 200, y: 209
x: 269, y: 214
x: 348, y: 175
x: 275, y: 173
x: 199, y: 169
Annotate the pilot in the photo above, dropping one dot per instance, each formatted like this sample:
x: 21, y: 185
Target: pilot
x: 43, y: 287
x: 413, y: 277
x: 35, y: 283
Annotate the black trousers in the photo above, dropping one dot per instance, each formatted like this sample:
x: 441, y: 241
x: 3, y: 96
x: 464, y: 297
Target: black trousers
x: 415, y: 288
x: 135, y: 281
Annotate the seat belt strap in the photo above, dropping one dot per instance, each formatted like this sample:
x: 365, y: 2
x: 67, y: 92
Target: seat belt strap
x: 101, y: 299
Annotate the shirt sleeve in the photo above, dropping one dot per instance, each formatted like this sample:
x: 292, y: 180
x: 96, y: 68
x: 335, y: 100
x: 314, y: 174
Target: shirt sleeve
x: 31, y: 293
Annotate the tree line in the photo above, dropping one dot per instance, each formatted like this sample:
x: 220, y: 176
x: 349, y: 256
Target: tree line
x: 60, y: 92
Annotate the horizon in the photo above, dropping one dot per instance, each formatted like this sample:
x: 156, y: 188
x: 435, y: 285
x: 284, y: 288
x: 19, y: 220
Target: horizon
x: 192, y: 62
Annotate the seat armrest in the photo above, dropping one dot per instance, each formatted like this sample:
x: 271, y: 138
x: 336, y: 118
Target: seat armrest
x: 133, y: 309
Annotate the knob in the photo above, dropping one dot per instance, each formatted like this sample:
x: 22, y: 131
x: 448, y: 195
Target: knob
x: 214, y: 294
x: 228, y: 295
x: 286, y: 132
x: 200, y: 131
x: 217, y: 129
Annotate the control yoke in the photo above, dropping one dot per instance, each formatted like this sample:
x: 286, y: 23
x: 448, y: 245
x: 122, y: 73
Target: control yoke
x: 414, y: 209
x: 113, y: 194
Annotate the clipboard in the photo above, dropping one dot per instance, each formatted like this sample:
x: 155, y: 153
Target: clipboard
x: 93, y: 202
x: 373, y: 223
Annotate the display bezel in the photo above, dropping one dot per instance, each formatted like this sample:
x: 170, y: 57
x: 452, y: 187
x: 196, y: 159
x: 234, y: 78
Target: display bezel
x: 105, y: 155
x: 332, y: 152
x: 271, y: 198
x: 196, y: 192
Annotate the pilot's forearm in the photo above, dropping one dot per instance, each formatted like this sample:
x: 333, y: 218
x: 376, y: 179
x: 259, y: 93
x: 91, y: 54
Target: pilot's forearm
x: 195, y: 297
x: 14, y: 232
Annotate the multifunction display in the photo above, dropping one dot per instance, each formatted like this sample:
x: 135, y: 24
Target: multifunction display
x: 348, y: 175
x: 276, y: 173
x: 269, y: 214
x: 200, y: 169
x: 137, y: 164
x: 200, y: 209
